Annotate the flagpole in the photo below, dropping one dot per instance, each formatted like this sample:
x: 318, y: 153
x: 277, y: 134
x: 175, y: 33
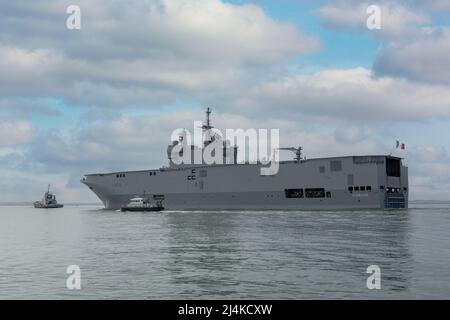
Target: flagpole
x: 392, y: 149
x: 396, y: 146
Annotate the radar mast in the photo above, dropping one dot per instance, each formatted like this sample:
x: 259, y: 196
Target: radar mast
x: 207, y: 125
x: 207, y: 128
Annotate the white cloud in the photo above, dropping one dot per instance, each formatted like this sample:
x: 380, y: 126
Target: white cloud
x: 349, y: 133
x: 425, y: 58
x: 344, y: 15
x: 397, y: 20
x: 346, y: 95
x: 416, y: 48
x: 140, y: 53
x: 431, y: 173
x: 439, y: 6
x: 16, y: 133
x: 230, y: 56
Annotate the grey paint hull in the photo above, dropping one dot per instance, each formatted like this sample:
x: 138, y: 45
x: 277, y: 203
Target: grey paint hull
x: 252, y: 201
x: 240, y: 186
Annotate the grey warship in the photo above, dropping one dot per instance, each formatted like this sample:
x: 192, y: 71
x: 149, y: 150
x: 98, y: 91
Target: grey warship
x: 342, y: 182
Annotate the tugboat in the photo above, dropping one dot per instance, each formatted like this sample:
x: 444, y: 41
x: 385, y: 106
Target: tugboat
x: 142, y: 204
x: 48, y: 202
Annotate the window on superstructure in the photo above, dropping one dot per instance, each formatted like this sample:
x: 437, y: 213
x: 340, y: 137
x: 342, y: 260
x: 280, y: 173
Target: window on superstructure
x: 368, y: 188
x: 350, y: 189
x: 356, y: 188
x: 315, y: 193
x: 363, y: 188
x: 392, y: 167
x: 336, y: 165
x: 293, y: 193
x: 322, y: 169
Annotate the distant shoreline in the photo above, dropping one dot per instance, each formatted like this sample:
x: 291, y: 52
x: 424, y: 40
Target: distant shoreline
x: 30, y: 203
x: 429, y: 201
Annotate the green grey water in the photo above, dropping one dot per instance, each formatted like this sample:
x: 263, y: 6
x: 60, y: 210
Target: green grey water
x: 224, y: 254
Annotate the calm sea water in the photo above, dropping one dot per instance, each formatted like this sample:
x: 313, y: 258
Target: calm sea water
x: 224, y: 254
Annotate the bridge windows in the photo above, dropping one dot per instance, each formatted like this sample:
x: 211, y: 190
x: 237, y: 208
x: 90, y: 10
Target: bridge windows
x: 120, y: 175
x: 392, y: 167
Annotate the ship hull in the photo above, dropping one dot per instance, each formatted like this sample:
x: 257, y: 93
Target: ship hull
x: 247, y: 201
x: 52, y: 206
x: 354, y: 182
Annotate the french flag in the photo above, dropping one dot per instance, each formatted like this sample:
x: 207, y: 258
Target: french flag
x: 401, y: 146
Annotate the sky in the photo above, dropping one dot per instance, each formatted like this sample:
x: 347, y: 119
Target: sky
x: 108, y: 96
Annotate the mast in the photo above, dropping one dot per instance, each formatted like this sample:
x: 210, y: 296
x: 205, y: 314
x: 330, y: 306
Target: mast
x: 207, y: 127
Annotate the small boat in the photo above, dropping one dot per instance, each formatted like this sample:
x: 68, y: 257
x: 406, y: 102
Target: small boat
x: 142, y: 204
x: 48, y: 201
